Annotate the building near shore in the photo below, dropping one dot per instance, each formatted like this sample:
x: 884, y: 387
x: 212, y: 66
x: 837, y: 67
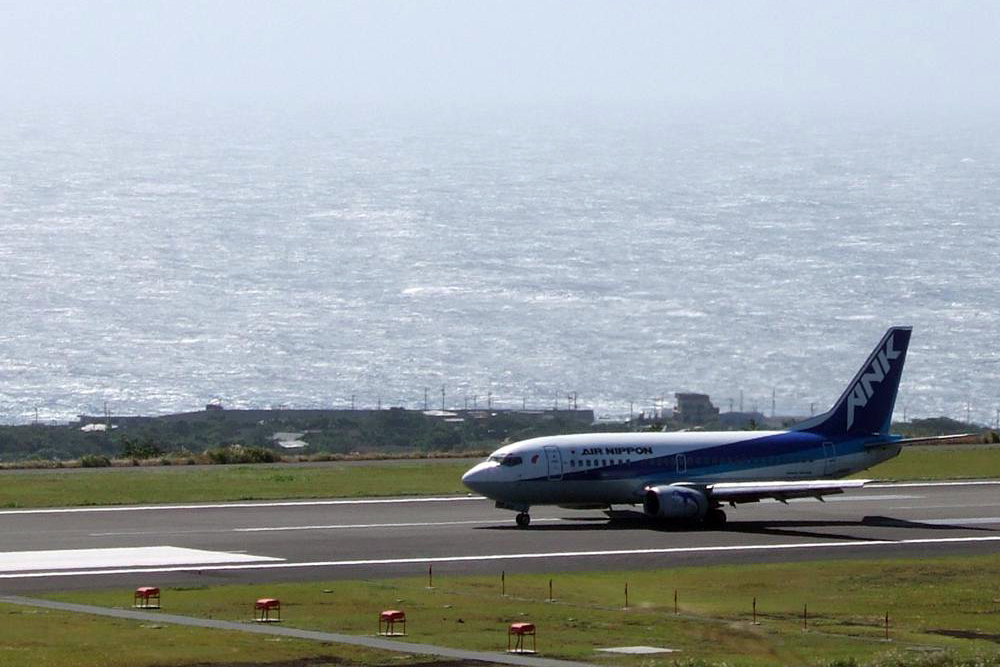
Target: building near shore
x: 694, y: 409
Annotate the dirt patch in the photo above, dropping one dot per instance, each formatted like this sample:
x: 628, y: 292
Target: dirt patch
x: 967, y: 634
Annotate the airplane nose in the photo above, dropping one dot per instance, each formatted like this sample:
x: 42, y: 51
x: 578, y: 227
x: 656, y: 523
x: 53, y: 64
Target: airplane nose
x: 475, y: 476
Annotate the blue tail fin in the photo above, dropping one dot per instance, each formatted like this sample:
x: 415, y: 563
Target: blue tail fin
x: 865, y: 408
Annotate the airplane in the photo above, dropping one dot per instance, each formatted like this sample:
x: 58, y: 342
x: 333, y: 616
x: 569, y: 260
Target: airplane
x: 689, y: 476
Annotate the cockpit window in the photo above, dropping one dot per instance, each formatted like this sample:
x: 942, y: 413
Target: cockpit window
x: 507, y: 460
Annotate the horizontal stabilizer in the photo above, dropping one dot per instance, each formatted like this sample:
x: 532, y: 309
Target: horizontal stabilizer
x: 954, y: 438
x: 751, y: 492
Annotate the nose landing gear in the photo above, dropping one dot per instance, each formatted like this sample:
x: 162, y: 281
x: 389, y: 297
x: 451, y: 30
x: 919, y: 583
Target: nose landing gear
x: 523, y: 519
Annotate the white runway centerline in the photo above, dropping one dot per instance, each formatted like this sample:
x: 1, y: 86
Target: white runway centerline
x: 123, y: 557
x: 416, y: 524
x: 335, y: 526
x: 239, y: 505
x: 790, y: 546
x: 968, y: 521
x: 333, y: 502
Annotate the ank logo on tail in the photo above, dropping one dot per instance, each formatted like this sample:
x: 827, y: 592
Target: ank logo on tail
x: 863, y: 390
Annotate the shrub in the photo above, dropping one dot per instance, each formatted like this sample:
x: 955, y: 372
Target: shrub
x: 241, y: 454
x: 134, y: 449
x: 95, y: 461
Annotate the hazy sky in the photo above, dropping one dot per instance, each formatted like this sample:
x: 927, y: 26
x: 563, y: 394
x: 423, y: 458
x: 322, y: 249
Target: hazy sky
x: 862, y: 54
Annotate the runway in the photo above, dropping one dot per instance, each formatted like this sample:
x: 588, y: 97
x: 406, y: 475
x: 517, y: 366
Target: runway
x: 206, y: 544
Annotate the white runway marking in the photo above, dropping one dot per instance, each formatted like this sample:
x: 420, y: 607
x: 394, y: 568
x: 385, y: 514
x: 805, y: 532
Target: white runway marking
x: 843, y: 499
x: 959, y: 522
x: 390, y: 501
x: 69, y: 559
x: 846, y: 499
x: 860, y: 544
x: 963, y: 506
x: 265, y: 529
x: 235, y: 505
x: 340, y: 526
x: 905, y: 485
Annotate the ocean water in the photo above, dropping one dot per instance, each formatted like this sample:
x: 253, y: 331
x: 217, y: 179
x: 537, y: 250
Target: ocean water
x: 156, y: 261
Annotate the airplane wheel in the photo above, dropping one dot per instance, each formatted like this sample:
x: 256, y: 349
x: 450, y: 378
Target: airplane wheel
x: 715, y: 518
x: 523, y: 519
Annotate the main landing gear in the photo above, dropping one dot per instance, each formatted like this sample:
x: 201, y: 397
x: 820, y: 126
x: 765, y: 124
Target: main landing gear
x: 715, y: 518
x: 523, y: 519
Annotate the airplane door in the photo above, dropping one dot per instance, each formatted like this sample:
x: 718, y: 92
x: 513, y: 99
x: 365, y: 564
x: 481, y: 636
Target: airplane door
x: 682, y: 464
x: 829, y: 458
x: 553, y: 457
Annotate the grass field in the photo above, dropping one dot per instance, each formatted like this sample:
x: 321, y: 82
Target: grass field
x: 940, y: 462
x: 34, y: 637
x: 60, y: 488
x: 935, y: 606
x: 172, y: 484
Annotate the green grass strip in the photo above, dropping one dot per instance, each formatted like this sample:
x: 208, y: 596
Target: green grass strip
x: 940, y: 463
x: 32, y: 637
x: 934, y: 605
x: 227, y: 483
x: 177, y: 484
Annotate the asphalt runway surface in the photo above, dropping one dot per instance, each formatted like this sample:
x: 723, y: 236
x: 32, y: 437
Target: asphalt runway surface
x: 260, y: 542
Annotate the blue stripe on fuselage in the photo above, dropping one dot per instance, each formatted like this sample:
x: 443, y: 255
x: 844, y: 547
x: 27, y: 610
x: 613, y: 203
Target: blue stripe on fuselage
x: 768, y: 451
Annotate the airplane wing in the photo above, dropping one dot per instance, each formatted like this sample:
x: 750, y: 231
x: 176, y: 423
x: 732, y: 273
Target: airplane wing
x: 751, y: 492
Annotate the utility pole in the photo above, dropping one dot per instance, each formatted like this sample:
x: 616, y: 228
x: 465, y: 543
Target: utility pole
x: 773, y: 393
x: 442, y: 398
x: 968, y: 412
x: 489, y: 400
x: 730, y: 405
x: 812, y: 409
x: 425, y: 399
x: 379, y: 403
x: 741, y: 400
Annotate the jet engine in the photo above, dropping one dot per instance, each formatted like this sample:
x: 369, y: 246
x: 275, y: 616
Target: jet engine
x: 674, y: 502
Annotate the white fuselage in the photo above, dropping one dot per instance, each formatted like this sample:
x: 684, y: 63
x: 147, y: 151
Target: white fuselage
x: 615, y: 468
